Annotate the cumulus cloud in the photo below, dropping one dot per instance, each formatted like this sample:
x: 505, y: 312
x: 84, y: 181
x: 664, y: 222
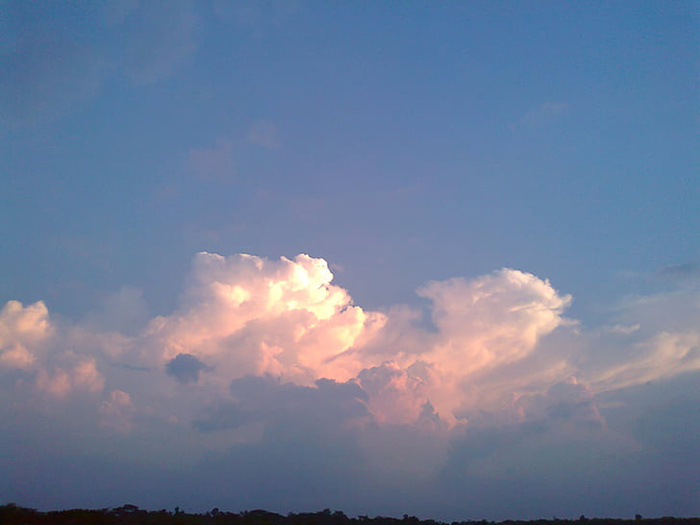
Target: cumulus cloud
x: 23, y: 330
x: 265, y: 357
x: 117, y: 411
x: 495, y: 339
x: 249, y: 315
x: 487, y: 323
x: 83, y: 375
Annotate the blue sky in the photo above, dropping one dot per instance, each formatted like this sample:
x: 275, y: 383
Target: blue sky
x: 411, y: 146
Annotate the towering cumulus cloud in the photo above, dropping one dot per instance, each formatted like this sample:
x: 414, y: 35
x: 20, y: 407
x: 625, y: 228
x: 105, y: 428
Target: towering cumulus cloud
x: 245, y: 315
x: 263, y: 356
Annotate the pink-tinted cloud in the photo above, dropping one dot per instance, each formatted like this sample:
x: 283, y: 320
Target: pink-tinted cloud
x: 264, y: 355
x: 23, y: 331
x: 246, y: 315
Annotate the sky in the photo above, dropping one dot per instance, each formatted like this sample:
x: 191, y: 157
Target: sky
x: 427, y: 258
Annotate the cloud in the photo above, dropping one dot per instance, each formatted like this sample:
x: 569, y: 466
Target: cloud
x: 116, y: 11
x: 123, y: 311
x: 685, y: 272
x: 215, y: 163
x: 279, y: 375
x: 81, y: 376
x: 396, y: 396
x: 544, y: 113
x: 665, y: 355
x: 46, y: 72
x: 185, y: 368
x: 494, y: 319
x: 495, y: 338
x: 117, y: 411
x: 159, y: 36
x: 51, y: 61
x: 260, y: 18
x: 267, y: 398
x: 482, y: 327
x: 263, y: 133
x: 249, y: 315
x: 23, y: 331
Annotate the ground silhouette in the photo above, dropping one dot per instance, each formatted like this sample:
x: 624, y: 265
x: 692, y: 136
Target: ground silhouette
x: 12, y: 514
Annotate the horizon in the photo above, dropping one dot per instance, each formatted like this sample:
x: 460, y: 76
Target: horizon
x: 130, y: 509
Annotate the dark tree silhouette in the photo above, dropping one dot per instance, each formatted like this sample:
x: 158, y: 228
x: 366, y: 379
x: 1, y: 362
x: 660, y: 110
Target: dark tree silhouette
x: 129, y: 514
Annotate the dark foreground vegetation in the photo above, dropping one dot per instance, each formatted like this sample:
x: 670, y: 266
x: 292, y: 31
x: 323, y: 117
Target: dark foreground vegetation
x: 131, y: 515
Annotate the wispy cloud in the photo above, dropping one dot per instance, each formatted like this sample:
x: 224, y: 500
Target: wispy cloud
x: 545, y: 112
x: 263, y: 133
x: 214, y: 163
x: 44, y: 74
x: 51, y: 64
x: 684, y: 272
x: 159, y: 36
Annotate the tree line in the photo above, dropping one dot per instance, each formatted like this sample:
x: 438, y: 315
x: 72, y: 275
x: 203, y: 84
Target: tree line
x: 12, y: 514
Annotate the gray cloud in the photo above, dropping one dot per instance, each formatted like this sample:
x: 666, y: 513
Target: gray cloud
x: 268, y: 399
x: 684, y: 272
x: 185, y: 368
